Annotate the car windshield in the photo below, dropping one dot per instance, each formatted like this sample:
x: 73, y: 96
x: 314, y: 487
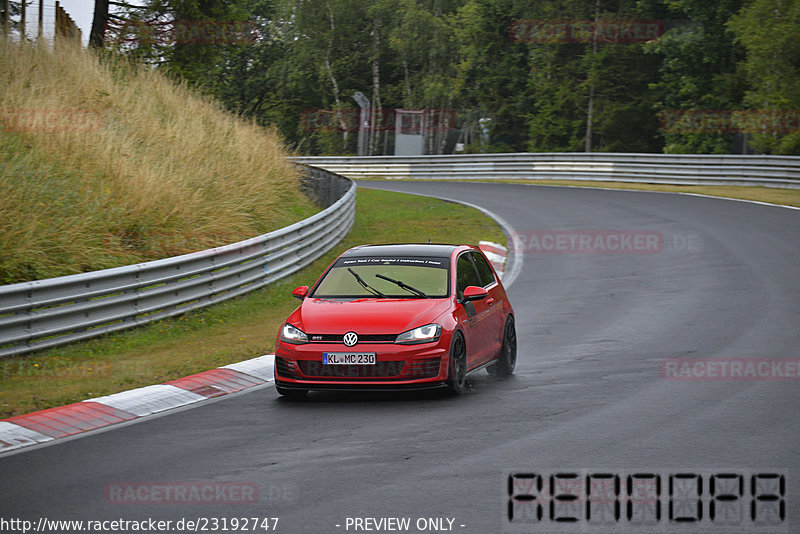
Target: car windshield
x: 386, y: 277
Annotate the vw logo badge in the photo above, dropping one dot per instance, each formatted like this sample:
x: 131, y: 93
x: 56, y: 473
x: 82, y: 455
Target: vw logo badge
x: 350, y: 339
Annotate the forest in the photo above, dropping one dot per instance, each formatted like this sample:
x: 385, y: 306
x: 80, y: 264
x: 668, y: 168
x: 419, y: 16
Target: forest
x: 659, y: 76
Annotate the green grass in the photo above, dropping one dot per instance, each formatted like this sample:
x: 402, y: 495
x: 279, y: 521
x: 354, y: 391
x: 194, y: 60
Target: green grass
x: 232, y: 331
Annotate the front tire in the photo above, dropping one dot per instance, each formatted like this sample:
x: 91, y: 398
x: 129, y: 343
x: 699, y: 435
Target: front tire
x: 457, y: 366
x: 505, y: 364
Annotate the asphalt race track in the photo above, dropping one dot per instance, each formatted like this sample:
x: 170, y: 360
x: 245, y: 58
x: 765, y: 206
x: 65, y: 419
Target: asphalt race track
x: 601, y: 333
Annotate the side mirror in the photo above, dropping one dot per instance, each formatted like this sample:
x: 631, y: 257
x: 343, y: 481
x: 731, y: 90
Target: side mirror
x: 474, y: 293
x: 300, y: 292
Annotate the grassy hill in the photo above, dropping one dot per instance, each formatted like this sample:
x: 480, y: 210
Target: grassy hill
x: 103, y: 164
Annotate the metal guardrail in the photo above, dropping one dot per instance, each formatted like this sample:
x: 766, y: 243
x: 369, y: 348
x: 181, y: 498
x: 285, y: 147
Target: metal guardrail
x: 46, y: 313
x: 324, y: 187
x: 769, y: 171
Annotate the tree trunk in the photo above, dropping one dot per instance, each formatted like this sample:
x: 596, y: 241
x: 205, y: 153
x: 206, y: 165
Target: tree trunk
x: 376, y: 120
x: 6, y: 28
x: 444, y: 126
x: 407, y: 79
x: 337, y: 115
x: 99, y: 23
x: 589, y: 117
x: 592, y: 81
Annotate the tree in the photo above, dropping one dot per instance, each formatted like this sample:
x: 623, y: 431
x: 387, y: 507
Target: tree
x: 8, y: 11
x: 99, y: 24
x: 589, y: 86
x: 769, y: 30
x: 427, y: 71
x: 492, y: 72
x: 584, y: 93
x: 699, y: 72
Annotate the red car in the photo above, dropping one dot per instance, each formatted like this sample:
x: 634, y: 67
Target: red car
x: 397, y: 317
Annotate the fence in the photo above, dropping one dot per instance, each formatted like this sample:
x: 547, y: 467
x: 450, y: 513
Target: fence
x: 46, y: 313
x: 28, y: 19
x: 65, y: 26
x: 769, y: 171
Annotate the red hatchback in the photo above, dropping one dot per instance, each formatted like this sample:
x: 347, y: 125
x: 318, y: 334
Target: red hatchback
x: 397, y: 317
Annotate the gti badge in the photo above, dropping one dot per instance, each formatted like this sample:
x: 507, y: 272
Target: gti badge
x: 350, y: 339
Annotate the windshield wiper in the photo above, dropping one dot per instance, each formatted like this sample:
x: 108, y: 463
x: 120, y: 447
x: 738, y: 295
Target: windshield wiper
x: 403, y: 285
x: 366, y: 285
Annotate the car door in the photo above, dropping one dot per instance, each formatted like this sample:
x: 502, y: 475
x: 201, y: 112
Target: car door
x: 473, y: 312
x: 494, y: 318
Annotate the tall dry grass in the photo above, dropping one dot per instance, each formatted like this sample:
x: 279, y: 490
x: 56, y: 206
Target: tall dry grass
x: 145, y: 168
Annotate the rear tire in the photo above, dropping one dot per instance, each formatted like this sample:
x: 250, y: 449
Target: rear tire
x: 504, y: 366
x: 292, y: 393
x: 457, y: 366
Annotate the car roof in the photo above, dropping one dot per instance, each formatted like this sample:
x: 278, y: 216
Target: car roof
x: 437, y: 250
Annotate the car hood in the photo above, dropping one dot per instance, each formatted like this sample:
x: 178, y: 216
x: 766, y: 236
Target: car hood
x: 366, y: 316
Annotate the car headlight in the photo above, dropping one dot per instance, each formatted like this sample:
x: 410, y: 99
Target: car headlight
x: 423, y: 334
x: 293, y: 335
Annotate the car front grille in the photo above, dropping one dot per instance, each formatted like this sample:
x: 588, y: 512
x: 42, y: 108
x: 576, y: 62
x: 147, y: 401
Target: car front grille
x: 379, y: 370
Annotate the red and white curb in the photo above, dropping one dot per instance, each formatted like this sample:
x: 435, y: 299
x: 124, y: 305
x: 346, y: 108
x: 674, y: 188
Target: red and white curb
x: 65, y: 421
x: 73, y: 419
x: 496, y: 254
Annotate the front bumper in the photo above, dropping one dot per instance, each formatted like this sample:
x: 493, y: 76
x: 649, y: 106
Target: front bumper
x: 396, y: 367
x: 344, y: 386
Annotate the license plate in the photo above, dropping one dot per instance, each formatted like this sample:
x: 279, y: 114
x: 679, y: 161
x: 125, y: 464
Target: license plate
x: 348, y: 358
